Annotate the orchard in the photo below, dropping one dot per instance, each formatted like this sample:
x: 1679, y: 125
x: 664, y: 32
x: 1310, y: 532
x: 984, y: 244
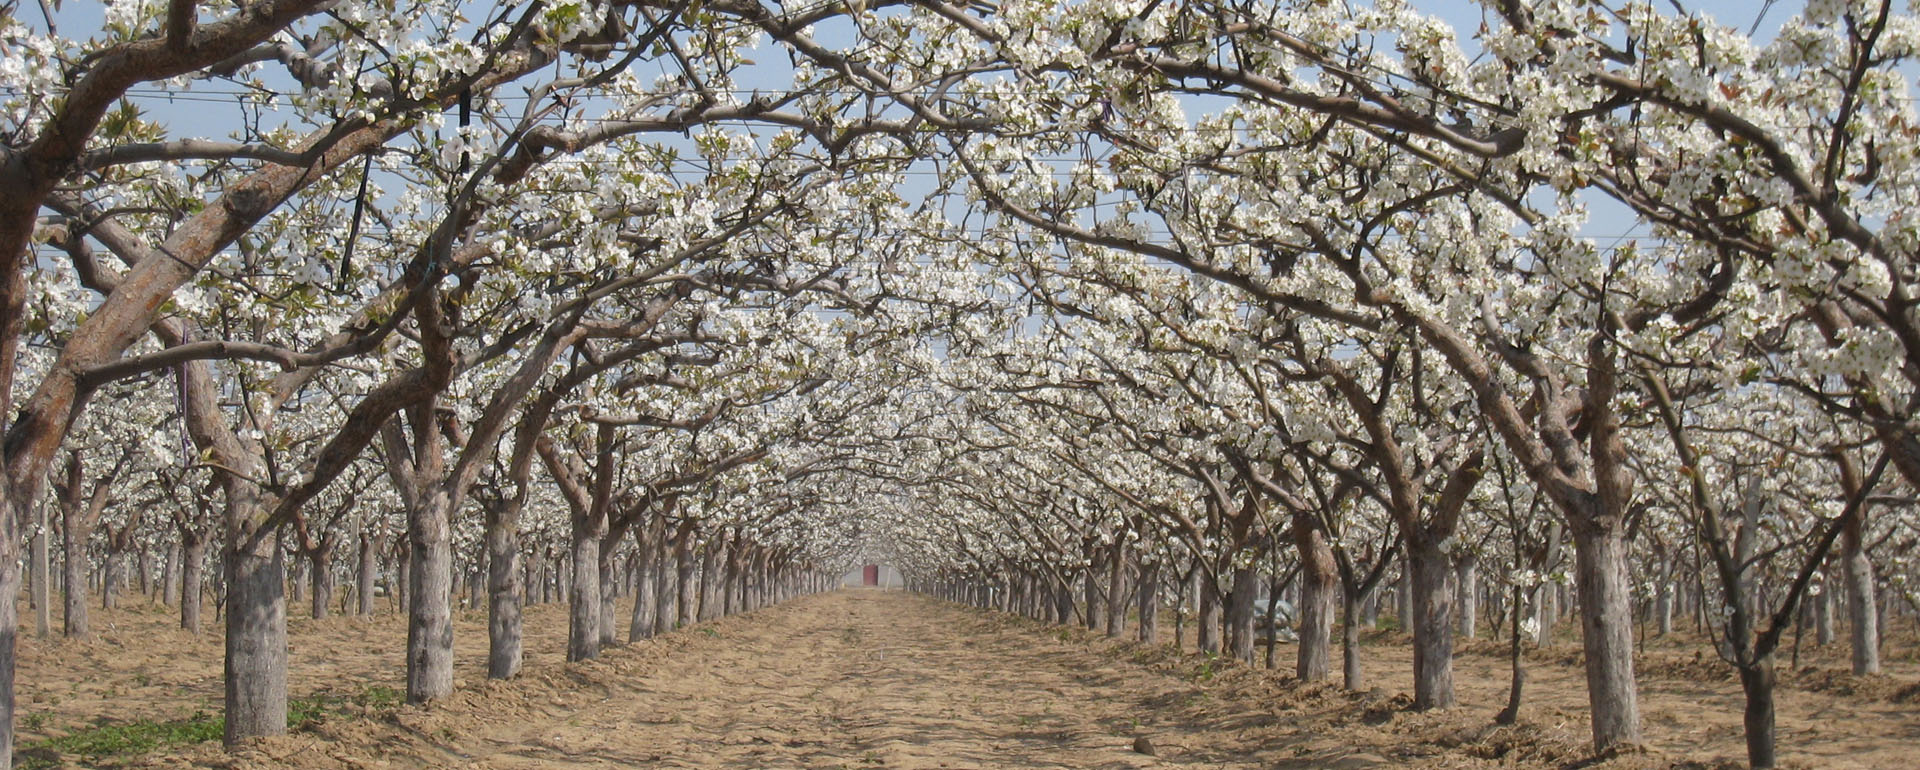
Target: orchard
x: 1298, y: 335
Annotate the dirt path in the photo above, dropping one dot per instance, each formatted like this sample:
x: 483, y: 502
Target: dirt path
x: 853, y: 679
x: 865, y: 679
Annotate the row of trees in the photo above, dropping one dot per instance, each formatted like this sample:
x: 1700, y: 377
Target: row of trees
x: 1023, y: 292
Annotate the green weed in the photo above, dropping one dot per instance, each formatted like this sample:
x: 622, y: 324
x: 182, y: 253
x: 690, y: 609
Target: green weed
x: 143, y: 736
x: 137, y: 737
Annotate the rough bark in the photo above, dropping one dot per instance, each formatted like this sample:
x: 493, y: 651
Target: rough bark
x: 1517, y: 681
x: 710, y: 558
x: 1606, y: 615
x: 429, y: 591
x: 504, y: 643
x: 1116, y: 588
x: 320, y: 575
x: 1823, y: 615
x: 645, y: 600
x: 1663, y: 606
x: 1546, y: 611
x: 1351, y: 675
x: 12, y: 513
x: 296, y: 575
x: 1270, y: 620
x: 583, y: 610
x: 256, y: 614
x: 73, y: 567
x: 1319, y: 582
x: 170, y: 591
x: 1208, y: 624
x: 402, y: 584
x: 1862, y: 608
x: 684, y: 602
x: 1090, y: 593
x: 608, y: 575
x: 1246, y: 584
x: 733, y: 603
x: 366, y: 573
x: 1147, y: 598
x: 1062, y: 603
x: 663, y: 593
x: 1757, y: 683
x: 110, y: 572
x: 1467, y: 583
x: 193, y: 559
x: 1403, y: 598
x: 145, y: 575
x: 1432, y: 624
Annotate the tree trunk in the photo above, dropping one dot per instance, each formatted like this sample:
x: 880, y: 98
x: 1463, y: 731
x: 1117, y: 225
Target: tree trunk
x: 645, y: 601
x: 73, y: 581
x: 731, y: 604
x: 710, y: 560
x: 477, y: 581
x: 1517, y: 681
x: 1147, y: 597
x: 1823, y: 614
x: 10, y: 519
x: 110, y: 576
x: 583, y: 609
x: 369, y: 567
x: 609, y: 590
x: 1208, y: 624
x: 295, y: 581
x: 143, y: 572
x: 320, y: 574
x: 256, y: 615
x: 663, y: 596
x: 193, y: 558
x: 1756, y: 682
x: 1663, y: 606
x: 1350, y: 641
x: 504, y: 645
x: 1116, y: 588
x: 1606, y: 614
x: 1545, y: 611
x: 42, y: 575
x: 170, y: 593
x: 758, y: 598
x: 1403, y: 597
x: 683, y: 603
x: 1090, y: 595
x: 402, y: 580
x: 1246, y: 584
x: 1467, y: 585
x: 429, y: 591
x: 1319, y: 580
x: 1861, y: 605
x: 1270, y: 622
x: 1432, y: 625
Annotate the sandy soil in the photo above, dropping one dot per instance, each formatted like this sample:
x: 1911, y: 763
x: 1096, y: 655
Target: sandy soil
x: 861, y: 679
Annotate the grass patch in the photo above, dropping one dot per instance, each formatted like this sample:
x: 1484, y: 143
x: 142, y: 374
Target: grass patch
x: 143, y: 736
x: 124, y: 738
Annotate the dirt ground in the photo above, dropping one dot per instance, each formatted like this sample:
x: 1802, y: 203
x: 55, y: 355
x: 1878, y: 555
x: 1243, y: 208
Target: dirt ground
x: 860, y: 679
